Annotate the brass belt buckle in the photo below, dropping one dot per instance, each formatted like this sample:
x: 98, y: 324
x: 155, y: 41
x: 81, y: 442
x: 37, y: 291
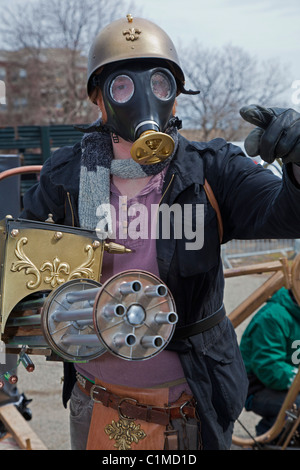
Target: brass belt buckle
x: 92, y: 391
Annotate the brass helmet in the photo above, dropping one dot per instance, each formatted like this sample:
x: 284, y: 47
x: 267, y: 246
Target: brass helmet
x: 133, y: 38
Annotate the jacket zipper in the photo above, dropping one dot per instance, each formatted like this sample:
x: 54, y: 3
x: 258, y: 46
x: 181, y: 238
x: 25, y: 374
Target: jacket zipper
x: 71, y: 208
x: 167, y: 188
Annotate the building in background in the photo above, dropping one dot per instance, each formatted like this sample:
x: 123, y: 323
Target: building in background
x: 44, y: 87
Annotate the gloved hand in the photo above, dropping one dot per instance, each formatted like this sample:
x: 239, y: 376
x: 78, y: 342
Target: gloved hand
x: 278, y: 134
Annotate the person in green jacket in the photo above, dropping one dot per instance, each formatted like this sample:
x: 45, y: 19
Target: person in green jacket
x: 270, y: 350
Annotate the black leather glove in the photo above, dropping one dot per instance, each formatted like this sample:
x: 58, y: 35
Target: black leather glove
x: 277, y: 134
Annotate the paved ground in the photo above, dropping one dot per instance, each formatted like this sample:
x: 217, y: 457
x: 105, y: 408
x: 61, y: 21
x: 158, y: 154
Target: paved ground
x: 51, y: 421
x: 236, y: 290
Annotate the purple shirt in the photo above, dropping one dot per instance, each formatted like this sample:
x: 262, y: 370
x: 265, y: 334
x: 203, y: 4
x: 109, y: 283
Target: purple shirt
x: 165, y: 366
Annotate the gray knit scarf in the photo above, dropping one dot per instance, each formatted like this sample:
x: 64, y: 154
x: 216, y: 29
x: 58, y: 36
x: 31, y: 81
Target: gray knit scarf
x: 97, y: 165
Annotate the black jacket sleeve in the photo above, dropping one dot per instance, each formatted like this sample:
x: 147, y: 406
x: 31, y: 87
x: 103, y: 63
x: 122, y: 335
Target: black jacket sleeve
x: 59, y: 176
x: 42, y: 198
x: 254, y: 202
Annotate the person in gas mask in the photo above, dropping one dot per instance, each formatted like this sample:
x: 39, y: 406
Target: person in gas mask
x: 190, y: 394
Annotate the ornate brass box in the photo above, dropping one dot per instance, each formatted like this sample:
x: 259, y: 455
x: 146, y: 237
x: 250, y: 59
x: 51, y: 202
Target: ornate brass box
x: 40, y: 256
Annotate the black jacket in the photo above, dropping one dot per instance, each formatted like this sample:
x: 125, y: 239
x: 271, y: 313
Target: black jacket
x: 253, y: 203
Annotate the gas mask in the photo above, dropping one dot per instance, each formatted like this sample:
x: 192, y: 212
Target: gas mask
x: 139, y: 102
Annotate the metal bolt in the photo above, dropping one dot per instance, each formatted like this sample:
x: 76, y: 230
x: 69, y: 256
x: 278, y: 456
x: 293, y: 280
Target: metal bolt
x: 58, y: 235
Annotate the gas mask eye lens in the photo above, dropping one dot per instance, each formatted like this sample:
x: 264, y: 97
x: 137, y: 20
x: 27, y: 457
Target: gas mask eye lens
x: 161, y: 86
x: 122, y: 88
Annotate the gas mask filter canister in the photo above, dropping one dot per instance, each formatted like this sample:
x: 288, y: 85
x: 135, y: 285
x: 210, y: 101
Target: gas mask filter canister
x: 139, y: 103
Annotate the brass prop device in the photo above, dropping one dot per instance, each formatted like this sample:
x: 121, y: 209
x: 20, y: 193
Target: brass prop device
x: 152, y: 147
x: 52, y: 300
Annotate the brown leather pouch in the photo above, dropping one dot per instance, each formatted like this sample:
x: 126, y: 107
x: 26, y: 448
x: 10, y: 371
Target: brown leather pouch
x: 110, y: 430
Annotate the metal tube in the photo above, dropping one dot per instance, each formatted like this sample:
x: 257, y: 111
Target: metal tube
x: 169, y: 318
x: 80, y: 295
x: 73, y: 315
x: 29, y: 305
x: 114, y: 310
x: 130, y: 287
x: 28, y: 341
x: 152, y: 341
x: 11, y: 378
x: 124, y: 340
x: 27, y: 362
x: 87, y: 322
x: 156, y: 291
x: 80, y: 340
x: 24, y: 321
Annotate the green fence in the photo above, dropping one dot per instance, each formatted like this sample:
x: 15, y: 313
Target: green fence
x: 44, y: 138
x: 35, y: 143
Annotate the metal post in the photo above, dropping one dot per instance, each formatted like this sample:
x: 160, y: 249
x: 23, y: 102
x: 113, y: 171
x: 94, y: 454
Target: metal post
x: 45, y: 142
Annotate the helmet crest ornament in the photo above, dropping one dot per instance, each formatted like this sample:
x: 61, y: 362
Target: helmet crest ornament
x: 131, y: 33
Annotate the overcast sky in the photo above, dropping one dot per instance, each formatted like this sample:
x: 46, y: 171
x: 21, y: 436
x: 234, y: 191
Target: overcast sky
x: 264, y: 28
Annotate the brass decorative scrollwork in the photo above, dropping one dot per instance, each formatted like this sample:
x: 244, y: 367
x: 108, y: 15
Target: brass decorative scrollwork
x: 84, y: 270
x: 59, y: 271
x: 26, y: 264
x: 56, y: 268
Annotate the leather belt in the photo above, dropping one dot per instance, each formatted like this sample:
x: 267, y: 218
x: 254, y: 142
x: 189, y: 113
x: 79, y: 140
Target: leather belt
x: 200, y: 326
x: 129, y: 408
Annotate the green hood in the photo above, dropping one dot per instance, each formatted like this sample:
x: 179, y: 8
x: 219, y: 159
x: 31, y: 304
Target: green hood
x: 283, y: 297
x: 268, y: 343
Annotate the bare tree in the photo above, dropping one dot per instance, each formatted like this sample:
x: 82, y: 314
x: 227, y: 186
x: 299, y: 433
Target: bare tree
x: 54, y: 38
x: 68, y: 24
x: 228, y: 79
